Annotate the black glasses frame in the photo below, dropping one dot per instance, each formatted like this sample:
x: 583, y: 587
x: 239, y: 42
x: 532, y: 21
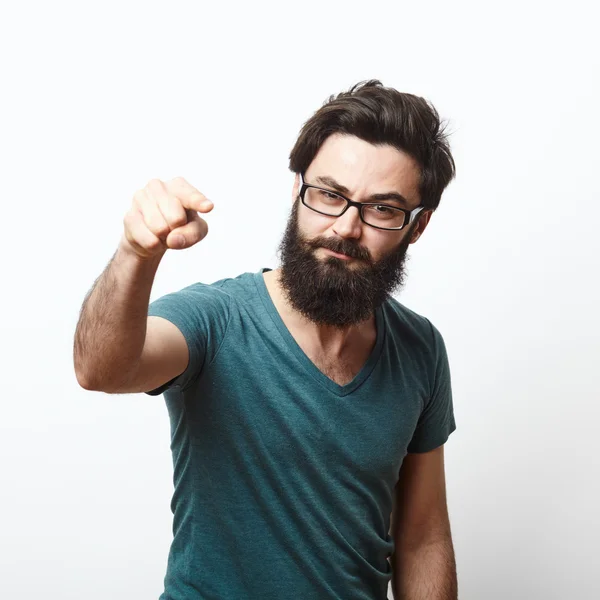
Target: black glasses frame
x: 409, y: 215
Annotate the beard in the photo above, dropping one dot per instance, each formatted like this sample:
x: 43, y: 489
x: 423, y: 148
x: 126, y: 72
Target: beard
x: 329, y: 291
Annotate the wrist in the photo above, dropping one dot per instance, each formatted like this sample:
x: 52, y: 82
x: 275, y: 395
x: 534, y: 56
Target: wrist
x: 129, y: 258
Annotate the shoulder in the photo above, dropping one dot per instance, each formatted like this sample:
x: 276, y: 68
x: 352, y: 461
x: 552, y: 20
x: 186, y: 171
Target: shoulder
x: 198, y: 302
x: 236, y: 286
x: 218, y: 293
x: 411, y: 326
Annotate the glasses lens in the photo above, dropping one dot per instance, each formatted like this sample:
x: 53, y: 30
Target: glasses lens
x: 324, y: 201
x: 383, y: 215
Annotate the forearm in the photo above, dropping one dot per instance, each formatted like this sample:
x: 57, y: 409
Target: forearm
x: 427, y: 572
x: 110, y: 334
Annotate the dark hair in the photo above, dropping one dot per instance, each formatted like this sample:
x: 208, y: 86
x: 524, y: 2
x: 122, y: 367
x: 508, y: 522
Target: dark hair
x: 382, y: 115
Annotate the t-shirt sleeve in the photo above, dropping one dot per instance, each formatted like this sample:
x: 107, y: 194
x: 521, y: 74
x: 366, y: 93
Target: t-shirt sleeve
x: 201, y: 312
x: 436, y: 422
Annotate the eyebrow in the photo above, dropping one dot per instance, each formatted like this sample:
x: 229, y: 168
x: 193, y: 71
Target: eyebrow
x: 342, y: 189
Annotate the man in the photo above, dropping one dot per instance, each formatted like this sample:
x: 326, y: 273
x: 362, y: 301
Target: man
x: 308, y: 407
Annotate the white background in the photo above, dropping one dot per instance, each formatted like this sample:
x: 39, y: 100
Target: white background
x: 99, y: 98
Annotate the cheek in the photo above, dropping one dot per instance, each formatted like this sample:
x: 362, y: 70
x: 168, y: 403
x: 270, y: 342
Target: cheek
x: 383, y: 245
x: 311, y: 223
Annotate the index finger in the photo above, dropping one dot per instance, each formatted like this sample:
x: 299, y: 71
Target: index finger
x: 189, y: 196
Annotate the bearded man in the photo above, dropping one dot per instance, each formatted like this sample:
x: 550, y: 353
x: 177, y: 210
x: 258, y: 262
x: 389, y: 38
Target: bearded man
x: 309, y: 408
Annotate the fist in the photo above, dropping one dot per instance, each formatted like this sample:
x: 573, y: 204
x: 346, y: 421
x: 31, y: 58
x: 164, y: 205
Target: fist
x: 165, y: 215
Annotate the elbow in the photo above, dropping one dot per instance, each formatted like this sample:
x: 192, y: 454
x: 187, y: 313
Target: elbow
x: 85, y: 377
x: 108, y: 385
x: 84, y: 381
x: 81, y: 372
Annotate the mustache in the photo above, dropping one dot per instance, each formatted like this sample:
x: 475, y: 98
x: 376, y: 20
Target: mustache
x: 347, y: 247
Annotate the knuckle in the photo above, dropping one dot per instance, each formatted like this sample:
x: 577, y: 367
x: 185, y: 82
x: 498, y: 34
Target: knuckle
x: 154, y: 184
x: 153, y: 244
x: 176, y: 219
x: 139, y: 197
x: 176, y: 185
x: 161, y: 229
x: 130, y: 218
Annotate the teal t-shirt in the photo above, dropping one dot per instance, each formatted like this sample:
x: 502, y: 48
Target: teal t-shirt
x: 284, y: 479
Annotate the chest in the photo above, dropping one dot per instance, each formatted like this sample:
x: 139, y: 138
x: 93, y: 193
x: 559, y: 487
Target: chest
x: 340, y: 368
x: 265, y: 402
x: 275, y: 419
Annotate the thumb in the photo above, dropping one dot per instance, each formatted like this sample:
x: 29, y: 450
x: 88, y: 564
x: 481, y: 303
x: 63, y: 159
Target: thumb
x: 187, y: 235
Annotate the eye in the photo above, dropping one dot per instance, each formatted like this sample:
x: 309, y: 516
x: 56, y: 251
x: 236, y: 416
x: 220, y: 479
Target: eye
x: 329, y: 196
x: 382, y: 212
x: 383, y: 209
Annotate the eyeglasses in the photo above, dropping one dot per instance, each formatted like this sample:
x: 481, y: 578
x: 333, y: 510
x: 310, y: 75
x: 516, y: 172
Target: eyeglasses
x: 374, y: 214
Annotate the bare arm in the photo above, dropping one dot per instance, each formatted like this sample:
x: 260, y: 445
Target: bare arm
x: 117, y: 348
x: 423, y: 563
x: 111, y: 331
x: 426, y: 573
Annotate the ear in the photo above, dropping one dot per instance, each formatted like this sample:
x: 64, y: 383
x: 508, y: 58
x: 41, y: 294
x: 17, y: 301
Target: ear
x: 296, y: 188
x: 422, y: 222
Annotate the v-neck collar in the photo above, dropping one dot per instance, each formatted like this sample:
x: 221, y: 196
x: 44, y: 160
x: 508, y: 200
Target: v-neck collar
x: 309, y: 366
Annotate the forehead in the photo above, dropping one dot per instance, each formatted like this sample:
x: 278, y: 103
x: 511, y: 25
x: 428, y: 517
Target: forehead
x: 365, y: 168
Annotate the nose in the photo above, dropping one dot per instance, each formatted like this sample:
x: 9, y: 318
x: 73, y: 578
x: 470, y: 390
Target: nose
x: 349, y: 224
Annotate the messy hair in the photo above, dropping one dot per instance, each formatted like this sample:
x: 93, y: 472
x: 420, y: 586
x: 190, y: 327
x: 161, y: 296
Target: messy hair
x: 381, y: 115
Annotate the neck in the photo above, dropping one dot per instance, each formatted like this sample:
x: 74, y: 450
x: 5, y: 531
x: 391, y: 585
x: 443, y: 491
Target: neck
x: 332, y: 340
